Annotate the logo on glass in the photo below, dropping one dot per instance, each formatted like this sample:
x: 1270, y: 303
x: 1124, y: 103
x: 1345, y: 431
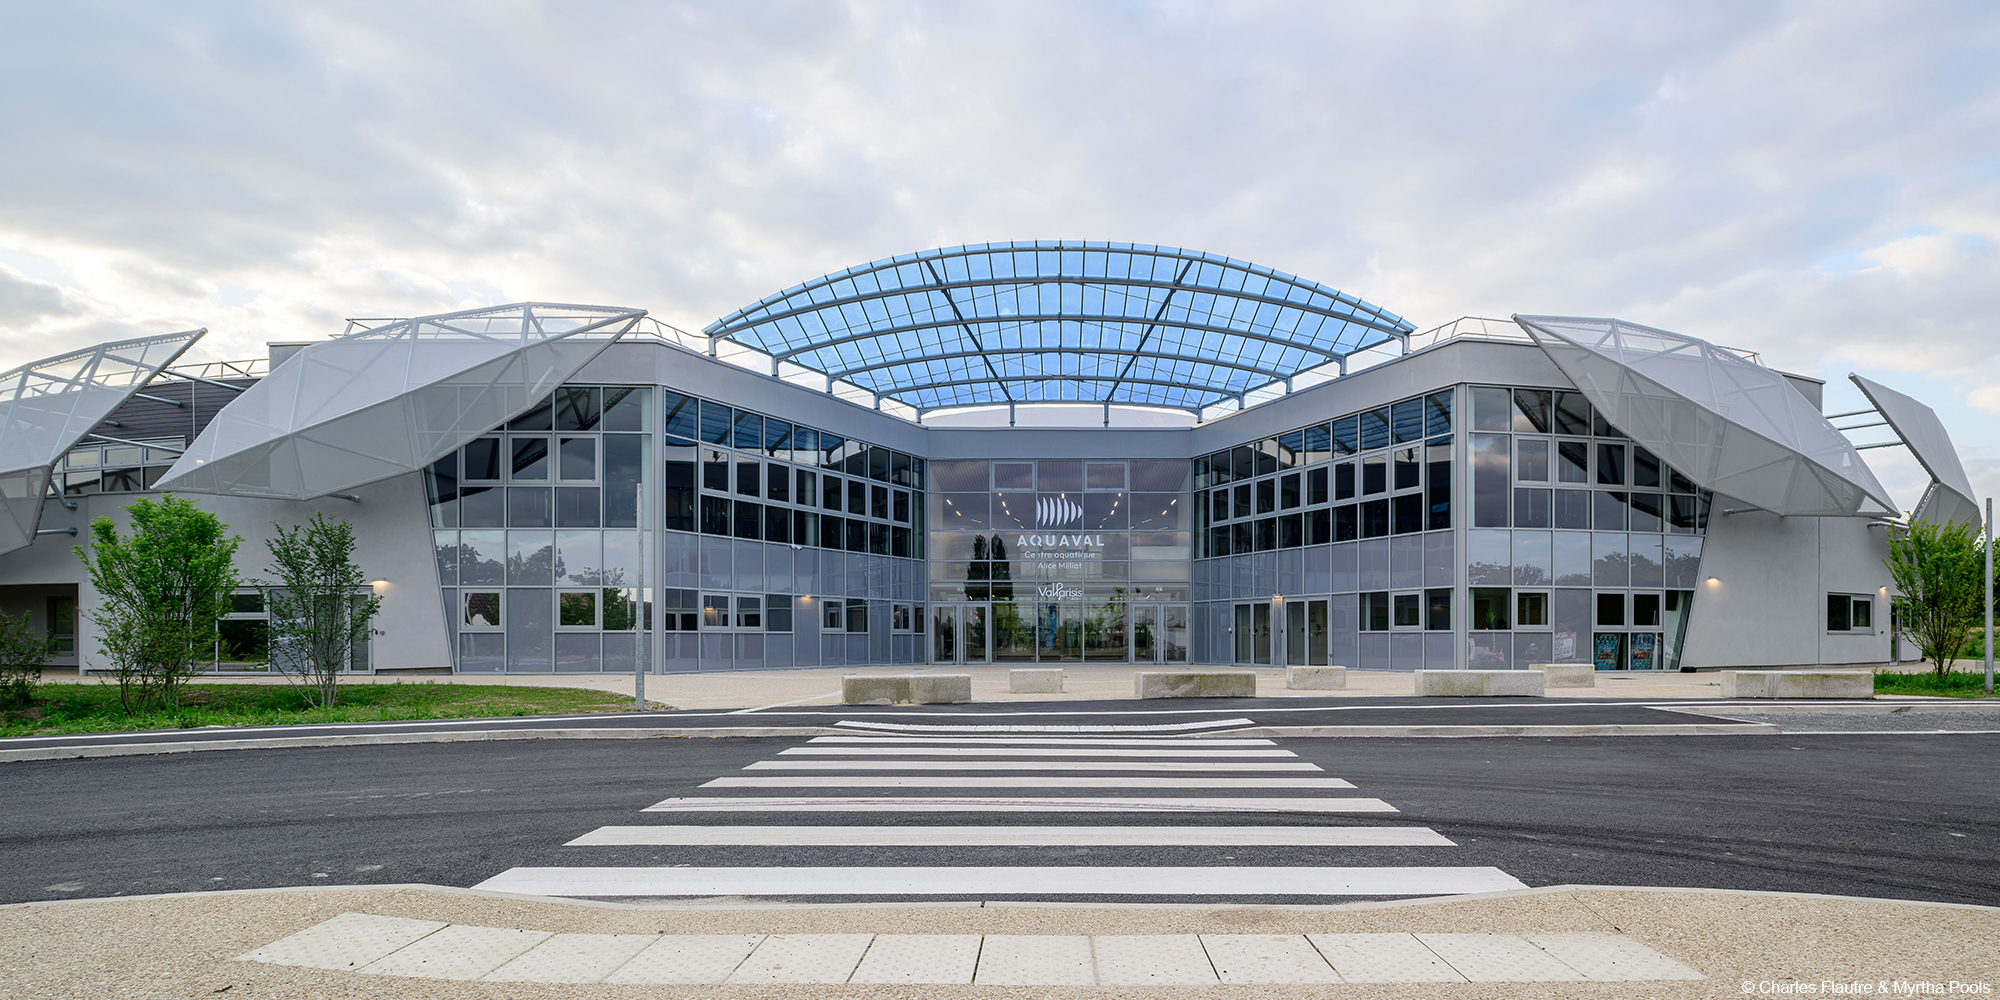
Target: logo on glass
x: 1055, y: 511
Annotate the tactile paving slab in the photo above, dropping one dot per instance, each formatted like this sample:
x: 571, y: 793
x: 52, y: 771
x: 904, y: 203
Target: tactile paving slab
x: 919, y: 958
x: 348, y: 941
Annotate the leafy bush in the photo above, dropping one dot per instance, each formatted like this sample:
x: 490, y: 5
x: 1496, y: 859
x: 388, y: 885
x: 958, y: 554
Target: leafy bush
x: 22, y: 650
x: 162, y: 589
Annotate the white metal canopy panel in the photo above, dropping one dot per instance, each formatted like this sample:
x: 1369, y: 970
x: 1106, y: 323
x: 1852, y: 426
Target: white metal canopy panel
x: 47, y: 406
x: 379, y: 403
x: 1923, y: 433
x: 1736, y: 428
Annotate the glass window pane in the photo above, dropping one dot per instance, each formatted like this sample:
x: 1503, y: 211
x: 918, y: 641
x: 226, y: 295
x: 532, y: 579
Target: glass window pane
x: 1531, y: 460
x: 1573, y: 461
x: 577, y: 408
x: 1437, y: 413
x: 1491, y: 480
x: 1572, y: 413
x: 1491, y: 608
x: 1532, y: 411
x: 1375, y: 429
x: 1406, y: 419
x: 1611, y: 465
x: 1492, y: 409
x: 577, y: 458
x: 577, y: 609
x: 530, y: 457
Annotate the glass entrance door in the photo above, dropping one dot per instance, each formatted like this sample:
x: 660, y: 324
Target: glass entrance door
x: 959, y: 633
x: 1145, y: 634
x: 1253, y: 633
x: 1174, y: 633
x: 1316, y: 633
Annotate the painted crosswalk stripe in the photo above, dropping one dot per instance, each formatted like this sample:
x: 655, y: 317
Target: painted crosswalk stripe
x: 912, y: 803
x: 1027, y: 765
x: 1054, y: 741
x: 1008, y: 781
x: 915, y: 727
x: 1012, y: 836
x: 948, y: 751
x: 1001, y: 882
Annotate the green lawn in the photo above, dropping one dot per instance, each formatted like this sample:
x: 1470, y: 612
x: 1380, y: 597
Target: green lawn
x: 1960, y: 683
x: 93, y: 708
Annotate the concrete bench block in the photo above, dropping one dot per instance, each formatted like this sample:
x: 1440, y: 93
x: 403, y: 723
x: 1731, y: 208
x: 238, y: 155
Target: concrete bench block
x: 855, y: 690
x: 1798, y: 684
x: 940, y: 689
x: 1480, y: 683
x: 1567, y: 675
x: 1194, y: 684
x: 899, y: 689
x: 1035, y: 680
x: 1315, y: 678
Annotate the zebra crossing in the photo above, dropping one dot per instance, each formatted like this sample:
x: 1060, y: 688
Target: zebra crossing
x: 1199, y: 798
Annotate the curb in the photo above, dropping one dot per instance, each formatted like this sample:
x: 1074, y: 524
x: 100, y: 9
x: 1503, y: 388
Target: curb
x: 711, y: 907
x: 374, y: 739
x: 378, y: 739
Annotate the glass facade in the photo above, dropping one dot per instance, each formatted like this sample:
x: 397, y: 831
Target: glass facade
x: 1340, y: 542
x: 1065, y: 561
x: 783, y: 545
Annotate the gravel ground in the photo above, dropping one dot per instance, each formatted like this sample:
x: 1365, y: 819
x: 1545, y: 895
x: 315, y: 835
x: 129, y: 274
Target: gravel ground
x: 1912, y: 722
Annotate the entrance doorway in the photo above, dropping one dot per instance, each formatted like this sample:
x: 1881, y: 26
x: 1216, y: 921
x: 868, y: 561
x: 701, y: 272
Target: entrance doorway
x: 959, y: 633
x: 1253, y: 633
x: 1305, y: 633
x: 1159, y: 633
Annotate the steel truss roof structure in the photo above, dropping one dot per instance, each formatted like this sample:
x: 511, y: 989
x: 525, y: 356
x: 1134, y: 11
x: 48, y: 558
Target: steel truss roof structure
x: 1736, y: 428
x: 364, y: 407
x: 48, y: 406
x: 1113, y: 323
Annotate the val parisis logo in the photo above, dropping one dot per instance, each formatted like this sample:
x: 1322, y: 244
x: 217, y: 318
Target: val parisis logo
x: 1059, y: 591
x: 1053, y: 512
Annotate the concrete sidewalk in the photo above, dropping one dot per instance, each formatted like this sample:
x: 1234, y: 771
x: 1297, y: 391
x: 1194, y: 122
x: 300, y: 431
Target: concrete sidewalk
x: 1081, y: 682
x: 425, y: 941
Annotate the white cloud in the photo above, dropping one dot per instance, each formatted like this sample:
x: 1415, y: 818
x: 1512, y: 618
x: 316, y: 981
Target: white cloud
x: 1816, y: 181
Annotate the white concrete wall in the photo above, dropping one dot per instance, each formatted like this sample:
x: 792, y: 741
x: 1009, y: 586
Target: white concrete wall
x: 391, y: 525
x: 1766, y: 606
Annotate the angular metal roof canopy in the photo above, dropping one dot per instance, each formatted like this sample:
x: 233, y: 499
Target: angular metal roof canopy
x: 367, y: 406
x: 1060, y: 321
x: 47, y: 406
x: 1950, y: 497
x: 1734, y: 427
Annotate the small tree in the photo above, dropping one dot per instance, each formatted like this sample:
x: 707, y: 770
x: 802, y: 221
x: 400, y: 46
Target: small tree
x: 317, y: 618
x: 22, y: 650
x: 160, y: 592
x: 1939, y: 572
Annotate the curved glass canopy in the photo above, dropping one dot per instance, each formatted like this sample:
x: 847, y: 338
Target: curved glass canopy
x: 1123, y: 323
x: 1736, y: 428
x: 364, y: 407
x: 47, y: 406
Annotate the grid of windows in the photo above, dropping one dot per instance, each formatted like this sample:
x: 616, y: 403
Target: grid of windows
x: 736, y: 473
x: 115, y: 468
x: 1381, y: 472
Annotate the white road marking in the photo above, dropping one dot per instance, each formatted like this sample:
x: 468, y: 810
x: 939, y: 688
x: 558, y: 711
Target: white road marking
x: 1027, y: 765
x: 970, y: 804
x: 912, y: 727
x: 1025, y: 752
x: 1013, y: 836
x: 1001, y: 882
x: 1055, y: 741
x: 1009, y: 781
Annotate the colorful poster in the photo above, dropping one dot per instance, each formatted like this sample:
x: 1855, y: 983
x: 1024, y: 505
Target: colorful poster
x: 1643, y: 646
x: 1610, y: 650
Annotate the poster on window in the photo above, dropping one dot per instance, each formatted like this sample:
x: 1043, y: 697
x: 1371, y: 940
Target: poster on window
x: 1643, y: 646
x: 1610, y: 647
x: 1565, y: 648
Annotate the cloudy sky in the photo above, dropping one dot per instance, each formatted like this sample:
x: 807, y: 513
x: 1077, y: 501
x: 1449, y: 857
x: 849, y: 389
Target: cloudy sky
x: 1816, y: 181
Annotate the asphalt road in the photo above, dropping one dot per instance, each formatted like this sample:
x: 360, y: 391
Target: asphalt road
x: 1899, y: 816
x: 1261, y: 711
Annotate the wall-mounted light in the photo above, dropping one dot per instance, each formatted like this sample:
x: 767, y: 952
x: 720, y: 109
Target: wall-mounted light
x: 379, y: 584
x: 1713, y: 582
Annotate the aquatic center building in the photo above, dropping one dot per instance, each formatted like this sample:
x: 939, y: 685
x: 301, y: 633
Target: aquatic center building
x: 1007, y: 453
